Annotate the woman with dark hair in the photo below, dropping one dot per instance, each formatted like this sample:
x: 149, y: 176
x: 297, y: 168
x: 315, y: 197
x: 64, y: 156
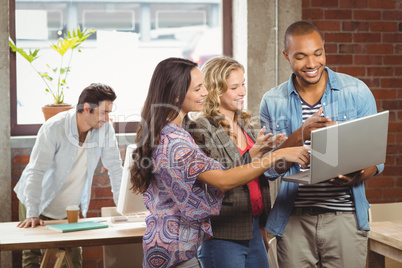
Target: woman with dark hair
x: 181, y: 186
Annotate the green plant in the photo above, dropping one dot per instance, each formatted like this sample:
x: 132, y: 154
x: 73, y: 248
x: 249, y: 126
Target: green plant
x: 55, y: 78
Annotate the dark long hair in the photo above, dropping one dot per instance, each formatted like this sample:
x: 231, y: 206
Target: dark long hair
x: 167, y: 90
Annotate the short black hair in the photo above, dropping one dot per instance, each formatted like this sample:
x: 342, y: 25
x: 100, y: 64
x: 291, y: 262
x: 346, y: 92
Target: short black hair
x: 300, y: 28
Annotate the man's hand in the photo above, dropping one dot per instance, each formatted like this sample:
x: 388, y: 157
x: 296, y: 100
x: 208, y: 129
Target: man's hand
x: 346, y: 179
x: 31, y: 222
x: 298, y: 137
x: 354, y: 177
x: 315, y: 122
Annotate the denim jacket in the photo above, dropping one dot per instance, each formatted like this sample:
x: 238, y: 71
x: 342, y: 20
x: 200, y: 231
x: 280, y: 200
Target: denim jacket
x: 53, y: 156
x: 345, y: 98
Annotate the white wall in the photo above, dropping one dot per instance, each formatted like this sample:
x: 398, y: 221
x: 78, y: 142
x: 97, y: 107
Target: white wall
x: 258, y: 32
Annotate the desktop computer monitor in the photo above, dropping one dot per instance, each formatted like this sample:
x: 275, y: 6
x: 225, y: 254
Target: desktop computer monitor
x: 129, y: 202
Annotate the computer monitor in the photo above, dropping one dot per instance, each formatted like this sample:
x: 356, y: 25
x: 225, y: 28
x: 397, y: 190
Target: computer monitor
x: 129, y: 202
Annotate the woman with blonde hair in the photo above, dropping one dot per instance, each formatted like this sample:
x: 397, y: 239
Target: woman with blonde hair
x: 239, y: 237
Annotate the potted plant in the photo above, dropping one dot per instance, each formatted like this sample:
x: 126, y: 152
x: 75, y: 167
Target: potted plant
x: 55, y: 78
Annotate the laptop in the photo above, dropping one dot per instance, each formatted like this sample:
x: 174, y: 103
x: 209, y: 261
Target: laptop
x: 344, y: 148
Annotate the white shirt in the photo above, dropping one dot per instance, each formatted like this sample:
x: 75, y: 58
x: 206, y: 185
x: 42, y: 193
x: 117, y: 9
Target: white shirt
x: 52, y: 159
x: 71, y: 191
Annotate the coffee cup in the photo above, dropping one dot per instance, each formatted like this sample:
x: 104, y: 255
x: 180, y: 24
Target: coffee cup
x: 72, y: 213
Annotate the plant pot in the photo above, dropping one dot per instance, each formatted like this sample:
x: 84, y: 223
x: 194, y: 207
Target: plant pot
x: 53, y: 109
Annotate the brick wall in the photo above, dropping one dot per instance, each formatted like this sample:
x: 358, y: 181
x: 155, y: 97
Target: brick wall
x: 101, y: 196
x: 364, y: 39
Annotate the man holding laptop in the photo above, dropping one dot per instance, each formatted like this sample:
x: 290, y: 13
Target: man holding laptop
x: 323, y: 224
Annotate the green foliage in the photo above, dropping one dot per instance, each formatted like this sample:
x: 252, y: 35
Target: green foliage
x: 70, y: 41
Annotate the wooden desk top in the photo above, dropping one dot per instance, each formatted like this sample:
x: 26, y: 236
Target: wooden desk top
x: 387, y: 232
x: 14, y: 238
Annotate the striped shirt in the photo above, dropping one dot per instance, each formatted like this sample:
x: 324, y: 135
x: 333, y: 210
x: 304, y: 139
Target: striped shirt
x: 322, y: 194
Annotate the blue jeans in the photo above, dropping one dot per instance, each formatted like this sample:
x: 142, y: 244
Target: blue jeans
x: 219, y: 253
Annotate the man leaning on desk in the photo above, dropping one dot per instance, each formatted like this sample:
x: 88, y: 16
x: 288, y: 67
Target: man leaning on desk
x: 63, y: 161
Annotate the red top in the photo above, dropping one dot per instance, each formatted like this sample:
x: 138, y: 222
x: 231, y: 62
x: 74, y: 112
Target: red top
x: 257, y: 205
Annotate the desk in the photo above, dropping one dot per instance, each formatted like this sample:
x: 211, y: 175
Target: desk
x: 14, y: 238
x: 385, y: 239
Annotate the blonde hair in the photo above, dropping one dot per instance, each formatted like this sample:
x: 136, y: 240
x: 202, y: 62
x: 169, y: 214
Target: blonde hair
x: 216, y: 71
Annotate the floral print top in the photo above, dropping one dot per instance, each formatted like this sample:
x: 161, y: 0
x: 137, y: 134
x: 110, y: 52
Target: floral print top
x: 180, y: 205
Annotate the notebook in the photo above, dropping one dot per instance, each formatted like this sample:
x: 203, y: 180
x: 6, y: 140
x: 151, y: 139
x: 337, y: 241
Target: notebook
x: 344, y: 148
x: 76, y: 226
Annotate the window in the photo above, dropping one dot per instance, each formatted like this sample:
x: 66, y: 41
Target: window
x: 130, y: 39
